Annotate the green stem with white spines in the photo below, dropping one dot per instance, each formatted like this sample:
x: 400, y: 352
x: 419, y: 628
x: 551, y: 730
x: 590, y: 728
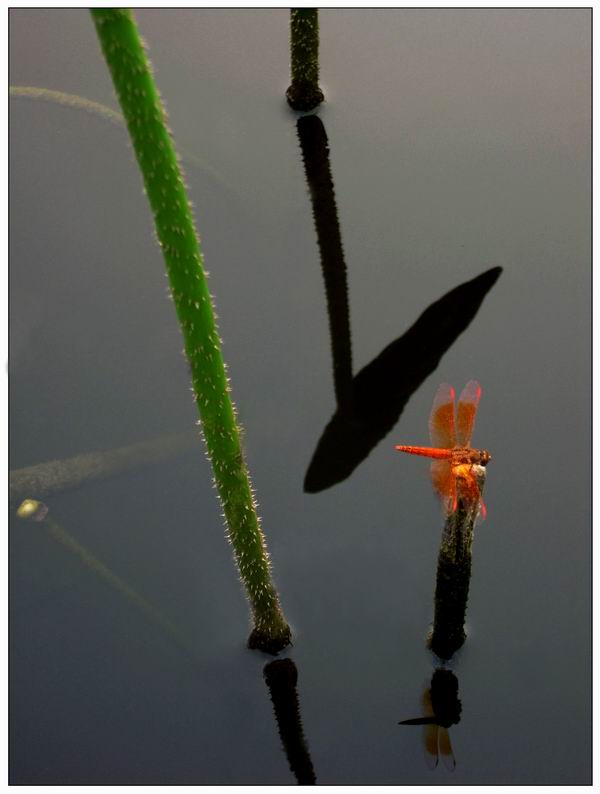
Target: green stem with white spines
x: 304, y: 93
x: 165, y: 188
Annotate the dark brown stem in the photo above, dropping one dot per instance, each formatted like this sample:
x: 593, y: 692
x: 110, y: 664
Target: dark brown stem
x: 454, y: 576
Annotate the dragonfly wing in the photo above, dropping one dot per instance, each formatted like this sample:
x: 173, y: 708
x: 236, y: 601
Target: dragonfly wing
x: 478, y: 498
x: 467, y: 408
x: 441, y: 419
x: 430, y: 732
x: 430, y: 745
x: 446, y: 749
x: 444, y: 482
x: 483, y: 508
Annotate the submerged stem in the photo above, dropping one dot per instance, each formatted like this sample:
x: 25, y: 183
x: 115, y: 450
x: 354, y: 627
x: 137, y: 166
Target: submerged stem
x: 165, y: 188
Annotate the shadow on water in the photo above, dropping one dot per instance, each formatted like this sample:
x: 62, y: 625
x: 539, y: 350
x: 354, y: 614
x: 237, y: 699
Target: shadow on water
x: 370, y: 403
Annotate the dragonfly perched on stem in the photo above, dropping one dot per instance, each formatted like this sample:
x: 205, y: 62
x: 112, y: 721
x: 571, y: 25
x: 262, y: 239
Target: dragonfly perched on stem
x: 455, y: 471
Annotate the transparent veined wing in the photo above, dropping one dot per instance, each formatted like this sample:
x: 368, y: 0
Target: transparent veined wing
x: 444, y: 482
x: 430, y: 732
x: 446, y: 749
x: 441, y: 419
x: 430, y: 745
x: 467, y: 409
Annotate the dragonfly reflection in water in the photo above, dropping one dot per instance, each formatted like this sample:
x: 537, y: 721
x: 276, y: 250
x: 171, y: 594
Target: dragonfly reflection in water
x: 442, y: 709
x: 455, y: 469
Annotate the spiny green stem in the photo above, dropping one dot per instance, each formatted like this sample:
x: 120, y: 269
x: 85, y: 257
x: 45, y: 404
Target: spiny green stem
x: 304, y: 93
x: 165, y: 188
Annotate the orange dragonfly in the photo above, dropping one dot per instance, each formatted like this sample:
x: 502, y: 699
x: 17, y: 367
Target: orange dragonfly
x: 453, y: 471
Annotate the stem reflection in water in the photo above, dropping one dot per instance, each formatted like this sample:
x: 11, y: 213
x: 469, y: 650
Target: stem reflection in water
x: 281, y: 676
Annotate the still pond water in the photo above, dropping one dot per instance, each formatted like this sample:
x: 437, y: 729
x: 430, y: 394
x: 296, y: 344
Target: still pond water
x: 459, y: 141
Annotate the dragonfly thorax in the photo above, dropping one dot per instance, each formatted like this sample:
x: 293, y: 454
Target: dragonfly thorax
x: 477, y: 457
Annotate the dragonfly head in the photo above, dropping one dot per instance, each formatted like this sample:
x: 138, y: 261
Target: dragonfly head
x: 485, y: 457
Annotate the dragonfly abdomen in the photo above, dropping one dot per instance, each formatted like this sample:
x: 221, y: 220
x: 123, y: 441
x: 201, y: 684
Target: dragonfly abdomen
x: 426, y: 452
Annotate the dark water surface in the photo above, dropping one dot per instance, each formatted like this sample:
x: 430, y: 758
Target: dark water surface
x: 459, y: 141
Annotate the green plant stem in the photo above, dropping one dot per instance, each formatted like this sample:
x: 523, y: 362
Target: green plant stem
x: 165, y: 188
x: 304, y: 93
